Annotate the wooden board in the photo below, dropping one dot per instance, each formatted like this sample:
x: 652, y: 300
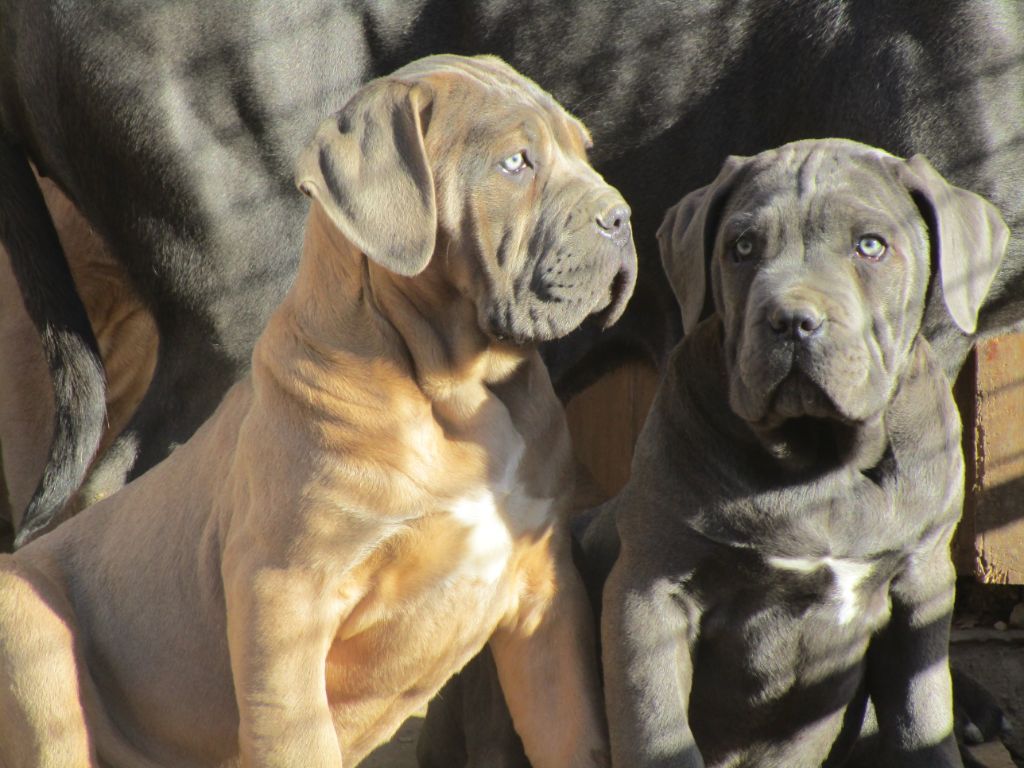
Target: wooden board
x: 991, y: 539
x: 606, y: 418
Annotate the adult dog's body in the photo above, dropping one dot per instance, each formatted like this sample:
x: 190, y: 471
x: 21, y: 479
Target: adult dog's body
x: 797, y: 559
x: 380, y: 497
x: 174, y: 126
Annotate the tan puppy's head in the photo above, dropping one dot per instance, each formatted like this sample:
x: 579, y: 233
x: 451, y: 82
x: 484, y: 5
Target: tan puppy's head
x: 818, y: 257
x: 465, y: 160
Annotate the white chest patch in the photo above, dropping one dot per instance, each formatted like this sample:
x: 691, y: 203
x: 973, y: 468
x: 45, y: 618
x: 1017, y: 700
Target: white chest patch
x: 493, y: 525
x: 523, y: 513
x: 847, y: 577
x: 489, y: 541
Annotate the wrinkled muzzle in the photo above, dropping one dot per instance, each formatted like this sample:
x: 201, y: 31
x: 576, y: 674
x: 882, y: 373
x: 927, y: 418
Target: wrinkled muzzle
x: 805, y: 351
x: 580, y: 260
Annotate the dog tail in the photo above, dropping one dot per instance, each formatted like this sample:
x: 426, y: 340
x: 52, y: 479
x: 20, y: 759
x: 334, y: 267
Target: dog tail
x: 70, y: 348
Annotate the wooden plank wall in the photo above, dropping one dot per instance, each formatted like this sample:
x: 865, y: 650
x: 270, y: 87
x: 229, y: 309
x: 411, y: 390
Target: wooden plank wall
x: 605, y: 419
x: 990, y: 542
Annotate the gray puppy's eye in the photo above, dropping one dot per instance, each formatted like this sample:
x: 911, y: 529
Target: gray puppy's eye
x: 515, y: 163
x: 742, y: 248
x: 871, y: 247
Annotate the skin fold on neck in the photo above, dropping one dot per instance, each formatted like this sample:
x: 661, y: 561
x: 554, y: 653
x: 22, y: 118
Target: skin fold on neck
x: 366, y: 357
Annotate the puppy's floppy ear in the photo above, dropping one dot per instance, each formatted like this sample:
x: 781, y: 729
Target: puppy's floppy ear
x: 686, y: 240
x: 368, y: 169
x: 968, y: 239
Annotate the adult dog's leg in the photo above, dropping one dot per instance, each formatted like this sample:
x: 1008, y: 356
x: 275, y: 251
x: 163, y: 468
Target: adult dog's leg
x: 177, y: 400
x: 39, y: 264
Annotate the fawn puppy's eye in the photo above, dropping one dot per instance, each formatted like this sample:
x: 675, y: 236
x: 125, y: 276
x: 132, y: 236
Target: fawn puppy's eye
x: 514, y: 164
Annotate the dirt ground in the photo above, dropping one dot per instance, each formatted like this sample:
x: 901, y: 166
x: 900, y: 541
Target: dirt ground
x: 987, y: 645
x: 996, y: 660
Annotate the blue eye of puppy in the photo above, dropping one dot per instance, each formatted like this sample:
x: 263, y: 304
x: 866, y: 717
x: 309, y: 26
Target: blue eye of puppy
x: 514, y: 164
x: 742, y: 248
x: 871, y: 247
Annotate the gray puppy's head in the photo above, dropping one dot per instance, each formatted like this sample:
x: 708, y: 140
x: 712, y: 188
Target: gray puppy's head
x: 817, y: 257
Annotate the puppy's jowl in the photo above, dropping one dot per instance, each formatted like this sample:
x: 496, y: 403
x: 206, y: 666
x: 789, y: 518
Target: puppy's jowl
x: 381, y: 497
x: 797, y: 562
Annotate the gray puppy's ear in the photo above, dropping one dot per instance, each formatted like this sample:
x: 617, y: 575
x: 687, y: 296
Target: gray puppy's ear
x: 368, y: 169
x: 968, y: 239
x: 686, y: 240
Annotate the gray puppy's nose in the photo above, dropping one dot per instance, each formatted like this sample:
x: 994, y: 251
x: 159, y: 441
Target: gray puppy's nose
x: 798, y: 320
x: 614, y: 223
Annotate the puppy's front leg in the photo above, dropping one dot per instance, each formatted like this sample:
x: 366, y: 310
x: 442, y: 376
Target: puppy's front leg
x: 648, y: 671
x: 279, y: 633
x: 547, y: 666
x: 908, y: 666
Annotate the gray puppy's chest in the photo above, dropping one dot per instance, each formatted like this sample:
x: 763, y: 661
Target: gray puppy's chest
x: 784, y: 625
x: 787, y: 576
x: 780, y: 616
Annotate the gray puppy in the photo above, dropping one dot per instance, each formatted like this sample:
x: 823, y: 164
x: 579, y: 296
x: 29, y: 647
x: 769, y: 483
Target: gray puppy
x: 796, y: 559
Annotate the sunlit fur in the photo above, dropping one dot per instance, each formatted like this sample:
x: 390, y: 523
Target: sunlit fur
x: 533, y: 271
x: 378, y: 499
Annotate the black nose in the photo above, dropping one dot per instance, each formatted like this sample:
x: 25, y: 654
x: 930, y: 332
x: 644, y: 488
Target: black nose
x: 796, y: 321
x: 614, y: 223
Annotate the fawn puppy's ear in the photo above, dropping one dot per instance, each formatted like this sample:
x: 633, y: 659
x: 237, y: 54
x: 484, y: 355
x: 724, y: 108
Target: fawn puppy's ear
x: 368, y: 169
